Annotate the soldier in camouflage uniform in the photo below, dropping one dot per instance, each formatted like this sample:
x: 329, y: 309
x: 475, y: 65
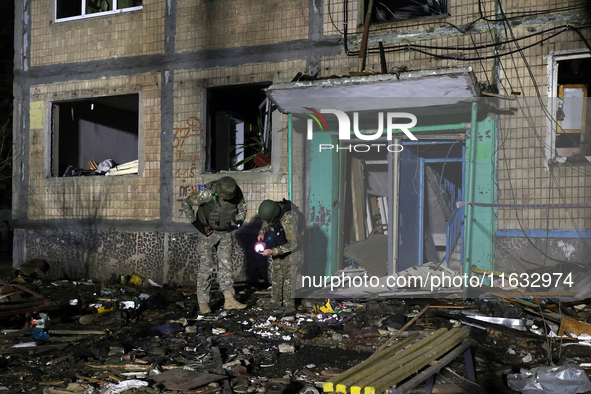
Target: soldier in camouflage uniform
x: 279, y: 233
x: 222, y: 209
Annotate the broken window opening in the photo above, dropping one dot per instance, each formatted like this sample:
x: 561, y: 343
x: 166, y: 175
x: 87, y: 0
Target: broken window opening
x: 74, y: 9
x: 95, y: 136
x: 399, y: 10
x: 573, y: 131
x: 239, y: 131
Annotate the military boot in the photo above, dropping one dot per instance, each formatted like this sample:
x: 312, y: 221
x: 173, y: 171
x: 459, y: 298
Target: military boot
x: 231, y: 303
x: 204, y: 308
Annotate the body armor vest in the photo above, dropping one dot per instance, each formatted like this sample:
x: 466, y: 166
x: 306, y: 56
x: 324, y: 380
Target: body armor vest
x: 276, y: 232
x: 217, y: 214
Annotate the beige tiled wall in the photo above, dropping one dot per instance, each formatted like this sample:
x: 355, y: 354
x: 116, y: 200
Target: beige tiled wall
x: 114, y: 197
x: 206, y: 24
x: 522, y: 177
x: 122, y: 34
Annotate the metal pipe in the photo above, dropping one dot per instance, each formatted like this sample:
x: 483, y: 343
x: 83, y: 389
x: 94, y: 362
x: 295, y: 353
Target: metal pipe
x: 289, y: 158
x: 395, y: 207
x: 469, y: 194
x: 421, y: 196
x: 445, y: 128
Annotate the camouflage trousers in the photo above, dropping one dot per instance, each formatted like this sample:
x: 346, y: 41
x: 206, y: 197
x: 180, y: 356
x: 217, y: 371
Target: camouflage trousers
x: 281, y: 281
x: 205, y: 248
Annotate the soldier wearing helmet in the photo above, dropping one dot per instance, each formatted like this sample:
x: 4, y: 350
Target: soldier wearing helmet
x: 279, y: 233
x: 222, y: 209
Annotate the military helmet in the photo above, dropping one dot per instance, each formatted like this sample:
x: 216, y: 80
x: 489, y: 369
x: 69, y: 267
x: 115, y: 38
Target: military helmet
x: 269, y: 210
x: 225, y: 188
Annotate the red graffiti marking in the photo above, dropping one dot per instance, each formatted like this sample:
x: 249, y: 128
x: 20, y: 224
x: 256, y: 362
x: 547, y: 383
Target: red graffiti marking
x: 526, y: 198
x: 182, y: 133
x: 185, y: 172
x: 182, y: 156
x: 185, y: 191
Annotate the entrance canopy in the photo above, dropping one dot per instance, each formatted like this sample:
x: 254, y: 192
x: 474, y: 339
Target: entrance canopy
x: 331, y: 163
x: 378, y: 92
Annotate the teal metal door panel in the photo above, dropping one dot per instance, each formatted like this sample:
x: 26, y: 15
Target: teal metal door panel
x: 480, y: 187
x: 324, y: 181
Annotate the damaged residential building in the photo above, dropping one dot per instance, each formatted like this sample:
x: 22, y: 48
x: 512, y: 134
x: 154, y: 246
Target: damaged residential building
x: 123, y: 108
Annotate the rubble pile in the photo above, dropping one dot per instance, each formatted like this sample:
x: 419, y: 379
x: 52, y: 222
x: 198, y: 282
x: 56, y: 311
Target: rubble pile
x: 132, y: 335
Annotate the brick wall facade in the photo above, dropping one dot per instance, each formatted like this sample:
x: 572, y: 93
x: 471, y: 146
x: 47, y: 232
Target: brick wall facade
x: 171, y: 51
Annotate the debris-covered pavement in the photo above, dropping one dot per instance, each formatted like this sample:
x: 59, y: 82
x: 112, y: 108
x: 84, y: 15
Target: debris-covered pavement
x: 132, y: 335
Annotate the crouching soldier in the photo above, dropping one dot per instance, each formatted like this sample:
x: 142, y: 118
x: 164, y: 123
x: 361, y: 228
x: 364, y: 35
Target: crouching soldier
x: 279, y: 234
x: 222, y: 209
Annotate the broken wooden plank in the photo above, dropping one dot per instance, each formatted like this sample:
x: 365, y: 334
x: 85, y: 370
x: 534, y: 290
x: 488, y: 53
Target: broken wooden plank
x: 435, y: 368
x: 451, y: 306
x: 365, y: 36
x: 393, y: 374
x: 77, y: 332
x: 366, y: 364
x: 93, y: 380
x: 571, y: 326
x: 52, y: 383
x: 357, y: 198
x: 378, y: 363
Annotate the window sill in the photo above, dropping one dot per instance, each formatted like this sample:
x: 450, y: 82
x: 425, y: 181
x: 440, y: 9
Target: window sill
x: 253, y: 171
x: 560, y: 161
x: 98, y: 14
x: 135, y: 175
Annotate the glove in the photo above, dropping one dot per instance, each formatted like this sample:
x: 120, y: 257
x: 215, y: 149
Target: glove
x: 203, y: 229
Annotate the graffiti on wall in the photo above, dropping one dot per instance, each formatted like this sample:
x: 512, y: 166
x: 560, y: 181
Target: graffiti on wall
x: 184, y: 147
x: 182, y: 135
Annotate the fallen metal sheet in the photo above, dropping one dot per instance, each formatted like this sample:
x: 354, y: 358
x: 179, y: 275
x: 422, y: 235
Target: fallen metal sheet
x: 517, y: 324
x: 180, y: 379
x: 371, y: 254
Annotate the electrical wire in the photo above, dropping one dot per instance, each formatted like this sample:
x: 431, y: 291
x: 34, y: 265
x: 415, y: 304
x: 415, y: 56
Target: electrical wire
x: 412, y: 47
x: 415, y: 46
x: 517, y: 15
x: 332, y: 20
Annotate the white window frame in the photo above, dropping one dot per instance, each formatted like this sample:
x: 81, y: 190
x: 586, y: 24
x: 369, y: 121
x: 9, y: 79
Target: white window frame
x: 84, y: 15
x: 552, y: 70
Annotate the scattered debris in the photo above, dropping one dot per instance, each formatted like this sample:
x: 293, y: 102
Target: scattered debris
x: 121, y: 335
x: 550, y: 379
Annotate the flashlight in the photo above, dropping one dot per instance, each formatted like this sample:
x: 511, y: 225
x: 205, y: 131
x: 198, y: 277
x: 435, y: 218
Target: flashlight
x: 260, y: 247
